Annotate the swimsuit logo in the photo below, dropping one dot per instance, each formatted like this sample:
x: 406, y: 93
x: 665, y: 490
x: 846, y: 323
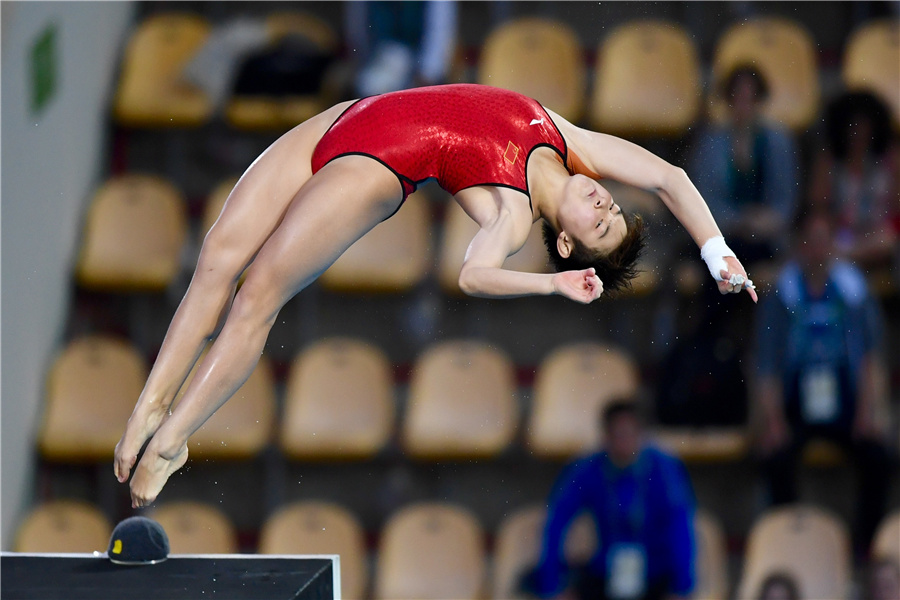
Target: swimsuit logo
x: 512, y: 152
x: 537, y: 121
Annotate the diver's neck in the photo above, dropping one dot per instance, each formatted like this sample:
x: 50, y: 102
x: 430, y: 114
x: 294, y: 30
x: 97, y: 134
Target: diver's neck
x: 547, y: 178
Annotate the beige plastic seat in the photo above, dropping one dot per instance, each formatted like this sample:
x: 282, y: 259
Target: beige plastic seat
x: 431, y: 551
x: 151, y: 92
x: 539, y: 58
x: 311, y: 527
x: 887, y: 538
x: 196, y: 528
x: 458, y: 231
x: 518, y: 547
x: 785, y: 54
x: 244, y: 425
x: 92, y: 388
x: 705, y: 445
x: 63, y: 526
x: 871, y: 62
x: 134, y: 234
x: 646, y: 81
x: 395, y: 256
x: 339, y: 401
x: 250, y: 112
x: 571, y: 387
x: 461, y: 402
x: 805, y: 541
x: 712, y: 558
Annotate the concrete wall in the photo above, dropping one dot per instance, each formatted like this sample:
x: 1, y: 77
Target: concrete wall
x: 52, y: 159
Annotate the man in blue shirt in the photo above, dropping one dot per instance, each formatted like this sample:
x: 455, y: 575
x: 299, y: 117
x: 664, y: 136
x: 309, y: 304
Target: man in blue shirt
x: 821, y: 371
x: 643, y: 506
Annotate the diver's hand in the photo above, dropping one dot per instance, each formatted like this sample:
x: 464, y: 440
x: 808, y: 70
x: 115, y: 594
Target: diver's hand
x: 735, y: 279
x: 581, y: 286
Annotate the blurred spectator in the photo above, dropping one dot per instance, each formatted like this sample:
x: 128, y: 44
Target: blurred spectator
x: 400, y: 44
x: 642, y: 502
x: 883, y: 581
x: 778, y: 586
x: 857, y: 178
x: 821, y: 371
x: 746, y: 169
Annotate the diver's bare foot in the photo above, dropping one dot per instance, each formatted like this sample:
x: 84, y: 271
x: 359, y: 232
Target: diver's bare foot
x: 152, y: 473
x: 137, y: 431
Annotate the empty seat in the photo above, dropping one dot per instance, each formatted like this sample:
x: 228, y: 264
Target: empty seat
x: 395, y: 256
x: 518, y: 547
x: 871, y: 62
x: 244, y: 425
x: 261, y: 112
x: 571, y: 387
x: 196, y: 528
x: 339, y: 401
x: 461, y: 402
x: 785, y: 55
x: 92, y: 388
x: 886, y: 544
x: 63, y: 526
x: 808, y: 542
x: 458, y: 231
x: 431, y: 551
x: 537, y: 57
x: 151, y: 91
x: 311, y: 527
x: 646, y: 81
x: 705, y: 445
x: 134, y: 234
x: 712, y: 558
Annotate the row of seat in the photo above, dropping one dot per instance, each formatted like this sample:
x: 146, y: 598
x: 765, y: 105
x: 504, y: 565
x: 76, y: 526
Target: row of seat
x: 137, y: 228
x: 437, y: 550
x: 340, y: 403
x: 647, y: 77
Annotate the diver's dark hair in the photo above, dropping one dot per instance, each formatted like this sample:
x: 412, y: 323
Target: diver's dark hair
x: 729, y: 82
x: 615, y: 269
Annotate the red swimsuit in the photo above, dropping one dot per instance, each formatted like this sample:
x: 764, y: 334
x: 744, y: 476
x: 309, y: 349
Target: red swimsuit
x: 463, y: 135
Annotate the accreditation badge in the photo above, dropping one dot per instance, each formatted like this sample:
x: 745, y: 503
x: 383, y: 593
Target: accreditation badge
x: 627, y: 571
x: 819, y: 395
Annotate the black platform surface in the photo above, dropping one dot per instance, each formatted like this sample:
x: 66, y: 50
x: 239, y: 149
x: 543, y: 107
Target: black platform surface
x: 181, y: 577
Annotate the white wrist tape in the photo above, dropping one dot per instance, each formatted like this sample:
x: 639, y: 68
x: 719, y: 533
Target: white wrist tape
x: 713, y: 254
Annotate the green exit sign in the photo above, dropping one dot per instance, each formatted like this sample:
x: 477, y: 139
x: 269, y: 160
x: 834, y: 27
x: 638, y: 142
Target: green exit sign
x: 43, y: 69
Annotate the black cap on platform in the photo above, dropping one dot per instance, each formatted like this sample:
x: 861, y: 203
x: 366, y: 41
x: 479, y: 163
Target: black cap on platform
x: 138, y: 541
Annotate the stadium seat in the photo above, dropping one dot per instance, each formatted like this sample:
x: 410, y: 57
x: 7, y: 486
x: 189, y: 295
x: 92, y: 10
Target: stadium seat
x: 705, y: 445
x: 339, y: 402
x: 712, y: 558
x: 462, y: 402
x: 196, y: 528
x: 886, y: 544
x: 311, y: 527
x: 244, y: 425
x: 537, y: 57
x: 431, y: 551
x: 806, y: 541
x: 571, y: 387
x: 646, y: 81
x: 251, y: 112
x: 134, y: 234
x: 785, y: 54
x: 458, y: 231
x: 151, y: 92
x: 63, y: 526
x: 92, y: 388
x: 395, y: 256
x: 518, y: 547
x: 871, y: 62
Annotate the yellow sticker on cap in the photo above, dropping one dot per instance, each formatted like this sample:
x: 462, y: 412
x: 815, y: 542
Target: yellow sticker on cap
x: 117, y: 547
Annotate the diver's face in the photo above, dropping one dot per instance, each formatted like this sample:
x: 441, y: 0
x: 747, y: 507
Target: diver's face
x: 589, y: 214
